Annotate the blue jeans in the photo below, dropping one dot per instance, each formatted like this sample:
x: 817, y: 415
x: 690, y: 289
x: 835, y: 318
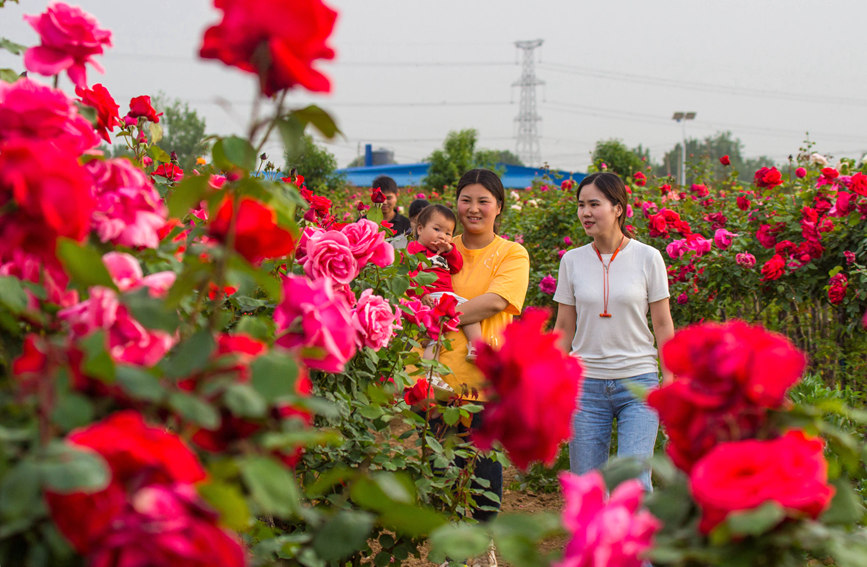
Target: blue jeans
x: 602, y: 401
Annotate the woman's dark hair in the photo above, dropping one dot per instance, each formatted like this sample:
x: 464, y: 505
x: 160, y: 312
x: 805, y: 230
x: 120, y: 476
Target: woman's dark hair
x: 614, y: 190
x: 490, y: 181
x: 428, y: 212
x: 417, y: 206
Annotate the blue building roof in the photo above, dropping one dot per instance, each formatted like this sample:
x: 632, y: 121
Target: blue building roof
x: 411, y: 175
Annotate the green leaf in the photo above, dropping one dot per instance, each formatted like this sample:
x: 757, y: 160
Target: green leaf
x: 71, y: 411
x: 20, y: 493
x: 343, y: 534
x: 459, y: 541
x: 274, y: 375
x: 451, y: 415
x: 272, y: 486
x: 97, y: 362
x: 228, y: 500
x: 83, y: 264
x: 847, y: 507
x: 139, y: 383
x: 375, y: 214
x: 195, y: 410
x: 318, y: 118
x: 64, y: 468
x: 398, y: 286
x: 152, y: 312
x: 11, y: 46
x: 191, y: 355
x: 243, y: 401
x: 410, y: 520
x: 234, y: 152
x: 756, y: 521
x: 155, y: 133
x: 160, y: 155
x: 256, y: 327
x: 8, y: 75
x: 187, y: 195
x: 12, y: 294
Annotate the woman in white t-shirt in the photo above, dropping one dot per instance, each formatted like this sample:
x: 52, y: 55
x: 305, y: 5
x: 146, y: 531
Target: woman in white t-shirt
x: 604, y: 292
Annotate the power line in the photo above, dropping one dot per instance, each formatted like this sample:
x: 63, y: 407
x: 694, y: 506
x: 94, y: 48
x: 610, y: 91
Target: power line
x: 699, y: 86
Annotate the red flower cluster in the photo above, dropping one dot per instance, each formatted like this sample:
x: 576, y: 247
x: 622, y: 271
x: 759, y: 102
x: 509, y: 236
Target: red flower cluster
x: 837, y: 286
x: 727, y: 377
x: 660, y: 222
x: 150, y: 512
x: 277, y: 40
x: 534, y: 390
x: 257, y: 234
x: 743, y: 475
x: 640, y: 179
x: 768, y: 178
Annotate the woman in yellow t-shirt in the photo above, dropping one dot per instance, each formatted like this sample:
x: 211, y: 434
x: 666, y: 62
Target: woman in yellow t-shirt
x: 494, y: 278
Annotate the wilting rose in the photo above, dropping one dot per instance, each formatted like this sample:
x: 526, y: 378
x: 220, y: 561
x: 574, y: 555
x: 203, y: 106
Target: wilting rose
x: 257, y: 234
x: 745, y: 259
x: 314, y: 319
x: 279, y: 41
x: 129, y: 210
x: 69, y: 39
x: 739, y: 476
x: 768, y: 178
x: 374, y: 320
x: 100, y: 99
x: 140, y: 106
x: 533, y: 387
x: 548, y: 284
x: 329, y: 255
x: 611, y: 531
x: 33, y: 112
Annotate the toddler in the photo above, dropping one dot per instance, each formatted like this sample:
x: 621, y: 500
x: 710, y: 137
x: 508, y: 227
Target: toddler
x: 434, y: 229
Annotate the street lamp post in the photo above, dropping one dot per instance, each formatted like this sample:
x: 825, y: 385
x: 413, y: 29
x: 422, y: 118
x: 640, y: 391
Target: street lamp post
x: 681, y: 118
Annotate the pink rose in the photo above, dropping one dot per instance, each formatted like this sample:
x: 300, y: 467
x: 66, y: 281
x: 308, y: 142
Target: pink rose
x: 567, y: 241
x: 723, y: 238
x: 611, y: 531
x: 129, y: 211
x: 374, y: 320
x: 313, y: 318
x: 368, y: 243
x: 124, y: 270
x: 801, y: 172
x: 676, y: 248
x: 682, y: 299
x: 329, y: 255
x: 33, y: 112
x: 70, y: 38
x: 548, y: 284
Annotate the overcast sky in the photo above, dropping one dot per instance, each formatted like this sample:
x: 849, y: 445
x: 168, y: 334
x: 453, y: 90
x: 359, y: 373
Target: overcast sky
x: 407, y: 72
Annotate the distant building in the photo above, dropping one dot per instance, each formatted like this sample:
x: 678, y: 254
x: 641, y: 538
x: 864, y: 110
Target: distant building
x: 411, y: 175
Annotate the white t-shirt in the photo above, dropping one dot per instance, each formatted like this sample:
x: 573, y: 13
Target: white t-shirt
x: 622, y: 345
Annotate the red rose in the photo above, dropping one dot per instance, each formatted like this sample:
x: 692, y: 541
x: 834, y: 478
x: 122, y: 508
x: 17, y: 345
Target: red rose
x: 858, y: 184
x: 774, y: 268
x: 141, y: 106
x: 727, y: 376
x: 106, y: 108
x: 534, y: 390
x: 733, y: 477
x: 725, y: 160
x: 418, y: 393
x: 169, y: 171
x: 640, y: 179
x: 70, y: 38
x: 376, y: 195
x: 800, y: 173
x: 837, y: 290
x: 768, y: 178
x: 257, y: 234
x: 743, y: 203
x: 767, y: 234
x: 52, y: 193
x: 277, y: 40
x: 830, y: 173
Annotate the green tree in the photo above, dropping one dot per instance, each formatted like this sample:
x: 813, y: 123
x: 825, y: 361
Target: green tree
x: 493, y: 158
x: 619, y: 158
x: 183, y: 130
x: 704, y: 154
x: 457, y: 155
x: 316, y: 164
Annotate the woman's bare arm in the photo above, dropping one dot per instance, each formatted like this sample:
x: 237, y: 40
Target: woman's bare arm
x: 663, y: 328
x: 481, y: 307
x: 567, y: 318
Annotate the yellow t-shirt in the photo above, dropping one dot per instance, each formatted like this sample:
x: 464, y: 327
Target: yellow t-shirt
x: 501, y: 267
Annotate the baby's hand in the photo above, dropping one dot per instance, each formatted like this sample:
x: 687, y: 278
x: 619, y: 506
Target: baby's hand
x: 444, y: 246
x: 428, y: 300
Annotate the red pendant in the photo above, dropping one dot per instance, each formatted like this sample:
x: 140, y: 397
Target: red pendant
x: 605, y: 314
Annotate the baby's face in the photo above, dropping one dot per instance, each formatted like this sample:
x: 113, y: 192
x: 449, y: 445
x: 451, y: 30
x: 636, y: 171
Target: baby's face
x: 437, y: 232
